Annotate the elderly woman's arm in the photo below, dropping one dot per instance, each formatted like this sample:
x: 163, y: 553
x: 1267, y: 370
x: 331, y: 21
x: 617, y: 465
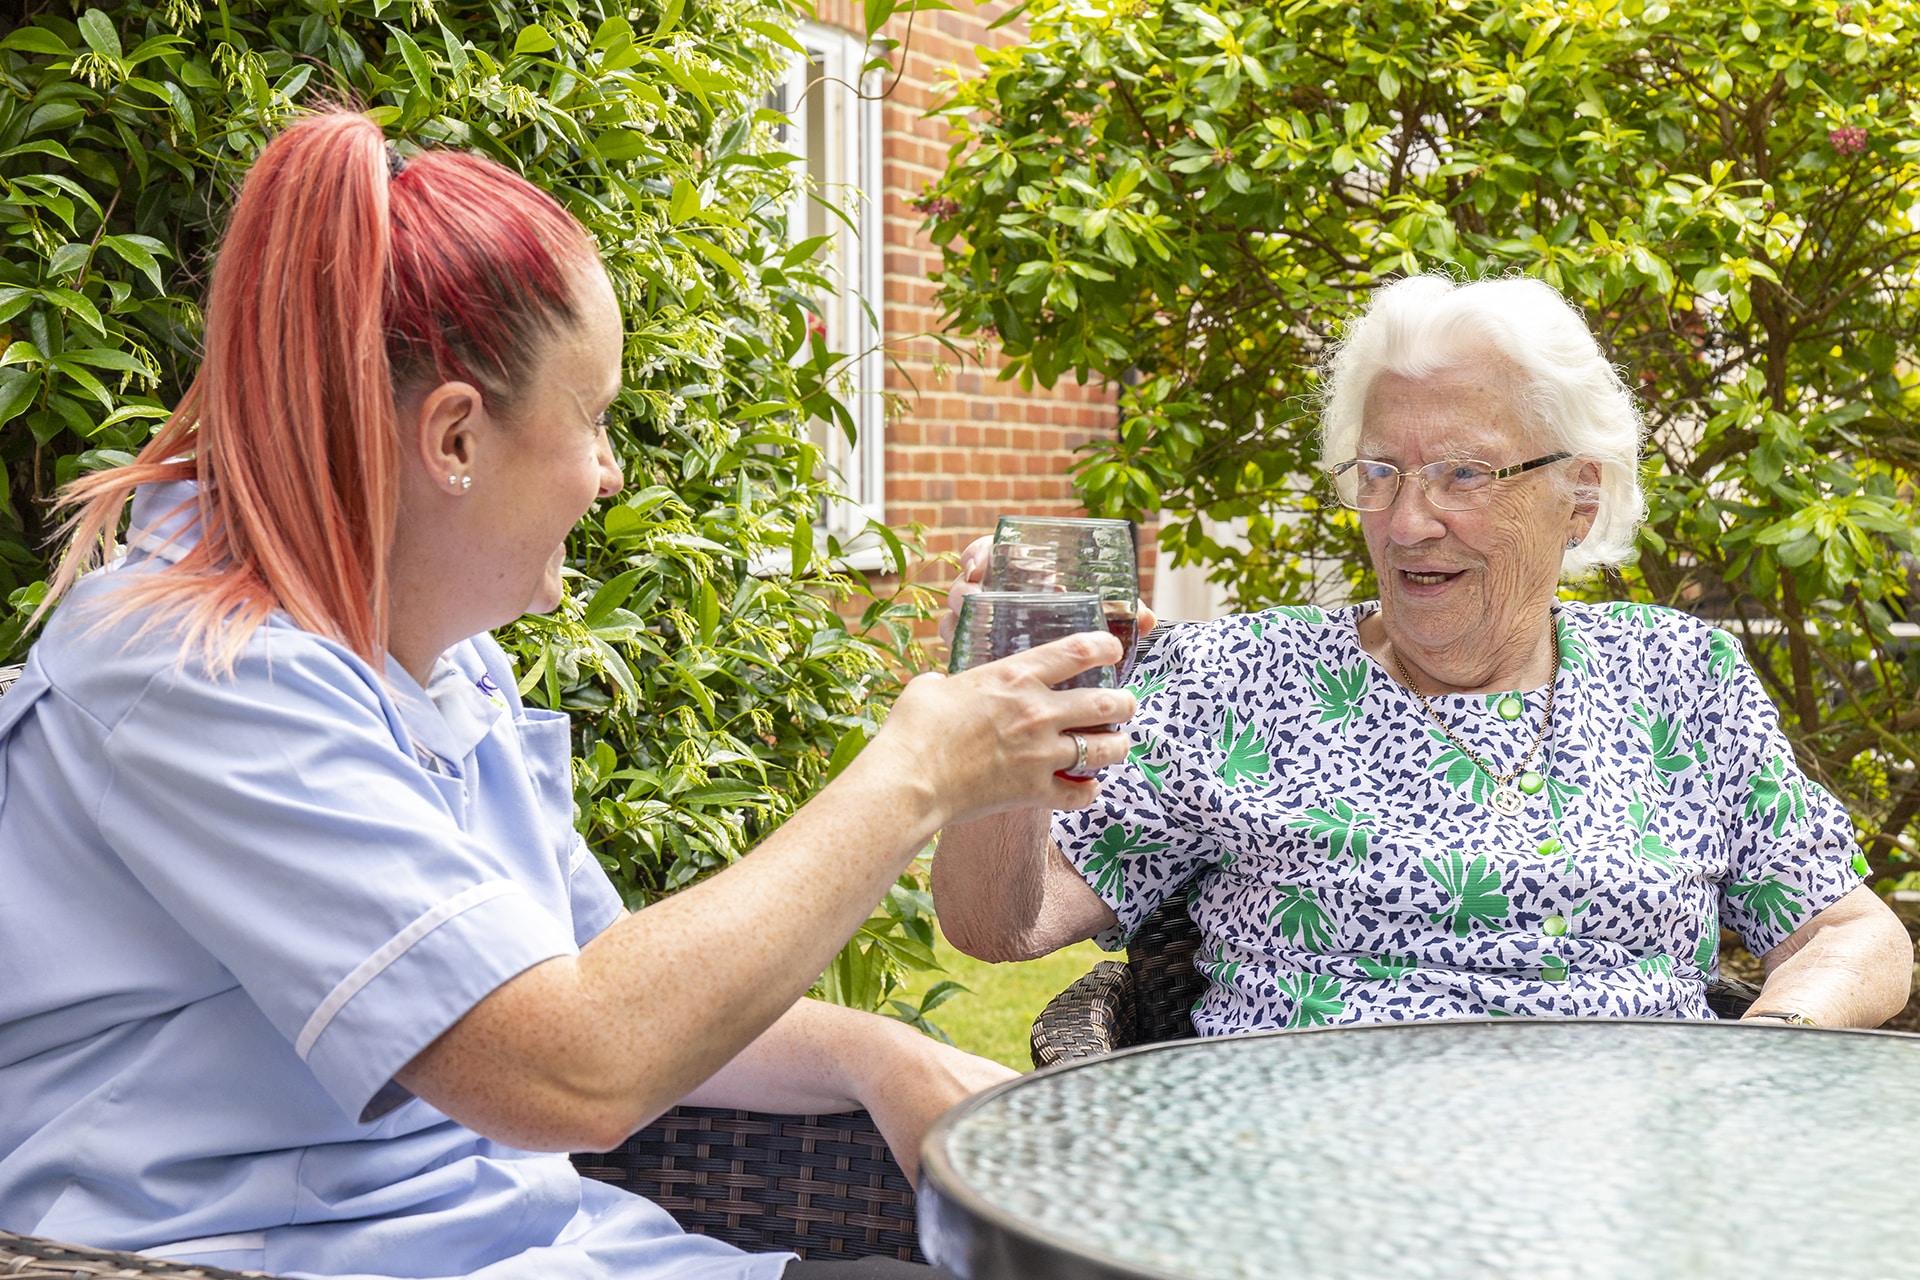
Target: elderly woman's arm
x: 1849, y: 966
x: 1004, y: 890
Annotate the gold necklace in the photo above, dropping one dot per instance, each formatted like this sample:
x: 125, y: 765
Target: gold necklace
x: 1510, y: 789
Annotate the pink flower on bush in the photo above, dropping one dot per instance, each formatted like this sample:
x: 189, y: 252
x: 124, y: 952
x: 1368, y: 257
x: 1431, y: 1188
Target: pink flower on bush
x: 1848, y: 140
x: 934, y: 206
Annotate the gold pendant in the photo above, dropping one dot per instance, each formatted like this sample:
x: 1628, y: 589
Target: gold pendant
x: 1508, y: 802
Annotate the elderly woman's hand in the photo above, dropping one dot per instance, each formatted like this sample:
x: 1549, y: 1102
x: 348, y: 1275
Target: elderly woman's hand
x: 973, y: 569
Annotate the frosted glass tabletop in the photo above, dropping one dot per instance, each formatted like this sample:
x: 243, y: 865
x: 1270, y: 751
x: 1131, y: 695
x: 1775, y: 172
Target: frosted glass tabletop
x: 1448, y: 1150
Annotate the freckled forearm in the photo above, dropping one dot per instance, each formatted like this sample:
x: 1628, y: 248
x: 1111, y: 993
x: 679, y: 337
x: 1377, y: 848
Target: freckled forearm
x: 579, y: 1051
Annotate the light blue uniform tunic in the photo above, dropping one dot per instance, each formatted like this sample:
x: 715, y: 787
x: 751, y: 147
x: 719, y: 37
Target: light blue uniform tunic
x: 231, y: 909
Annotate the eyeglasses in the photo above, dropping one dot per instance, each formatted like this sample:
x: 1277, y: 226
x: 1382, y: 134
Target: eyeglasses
x: 1452, y: 484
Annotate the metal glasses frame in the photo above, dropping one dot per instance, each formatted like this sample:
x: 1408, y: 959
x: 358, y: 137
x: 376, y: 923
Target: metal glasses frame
x: 1420, y: 473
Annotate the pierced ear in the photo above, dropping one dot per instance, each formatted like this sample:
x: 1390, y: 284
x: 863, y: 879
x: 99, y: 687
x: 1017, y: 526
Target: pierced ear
x: 446, y: 426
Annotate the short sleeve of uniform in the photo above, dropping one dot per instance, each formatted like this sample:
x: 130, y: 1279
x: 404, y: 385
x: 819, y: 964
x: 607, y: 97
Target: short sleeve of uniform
x: 1791, y: 843
x: 596, y: 903
x: 276, y: 815
x: 1138, y: 844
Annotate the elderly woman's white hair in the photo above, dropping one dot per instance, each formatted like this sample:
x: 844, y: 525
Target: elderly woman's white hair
x: 1570, y: 395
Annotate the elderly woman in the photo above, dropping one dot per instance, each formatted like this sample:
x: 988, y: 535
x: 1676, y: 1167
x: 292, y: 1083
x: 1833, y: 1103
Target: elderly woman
x: 1469, y: 797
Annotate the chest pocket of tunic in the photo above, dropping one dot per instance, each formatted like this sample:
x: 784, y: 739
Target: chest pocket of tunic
x: 546, y: 740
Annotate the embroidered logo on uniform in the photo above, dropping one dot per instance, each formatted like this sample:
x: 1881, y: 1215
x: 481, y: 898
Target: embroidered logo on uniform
x: 486, y: 685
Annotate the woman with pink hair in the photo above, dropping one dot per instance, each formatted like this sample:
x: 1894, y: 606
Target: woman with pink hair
x: 353, y: 967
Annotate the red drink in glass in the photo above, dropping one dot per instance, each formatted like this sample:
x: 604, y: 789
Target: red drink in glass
x: 1124, y: 624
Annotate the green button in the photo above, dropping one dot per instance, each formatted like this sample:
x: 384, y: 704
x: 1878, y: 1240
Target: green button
x: 1531, y: 782
x: 1554, y: 926
x: 1510, y: 707
x: 1553, y: 969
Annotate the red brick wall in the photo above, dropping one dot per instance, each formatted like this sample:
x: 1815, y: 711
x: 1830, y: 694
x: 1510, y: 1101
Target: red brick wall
x: 969, y: 447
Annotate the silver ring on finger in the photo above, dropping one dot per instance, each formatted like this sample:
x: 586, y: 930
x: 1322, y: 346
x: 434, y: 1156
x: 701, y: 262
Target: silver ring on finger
x: 1079, y: 753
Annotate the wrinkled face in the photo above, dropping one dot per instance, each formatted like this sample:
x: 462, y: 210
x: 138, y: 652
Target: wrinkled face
x: 553, y: 460
x: 1459, y: 586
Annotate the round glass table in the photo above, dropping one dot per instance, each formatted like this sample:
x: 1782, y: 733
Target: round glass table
x: 1477, y: 1149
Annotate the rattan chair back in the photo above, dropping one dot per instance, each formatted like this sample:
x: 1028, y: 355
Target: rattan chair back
x: 31, y: 1258
x: 1166, y: 985
x: 818, y: 1186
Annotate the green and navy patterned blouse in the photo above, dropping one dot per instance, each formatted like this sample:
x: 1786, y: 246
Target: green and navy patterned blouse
x: 1344, y: 862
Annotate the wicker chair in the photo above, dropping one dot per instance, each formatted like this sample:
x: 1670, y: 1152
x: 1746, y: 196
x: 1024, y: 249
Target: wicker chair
x: 818, y: 1186
x: 31, y: 1258
x: 1151, y: 997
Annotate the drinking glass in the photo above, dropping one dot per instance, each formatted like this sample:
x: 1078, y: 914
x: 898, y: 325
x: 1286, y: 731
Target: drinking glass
x: 998, y: 624
x: 1061, y: 553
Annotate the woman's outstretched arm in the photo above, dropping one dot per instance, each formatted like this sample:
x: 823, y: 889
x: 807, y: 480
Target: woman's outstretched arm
x: 578, y: 1052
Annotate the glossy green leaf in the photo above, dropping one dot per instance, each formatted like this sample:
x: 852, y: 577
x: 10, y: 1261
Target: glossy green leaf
x: 779, y: 35
x: 418, y: 68
x: 685, y: 201
x: 716, y: 255
x: 19, y: 385
x: 36, y: 40
x: 96, y: 28
x: 533, y: 39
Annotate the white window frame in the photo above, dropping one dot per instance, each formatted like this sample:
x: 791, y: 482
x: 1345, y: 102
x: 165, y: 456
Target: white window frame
x: 850, y: 125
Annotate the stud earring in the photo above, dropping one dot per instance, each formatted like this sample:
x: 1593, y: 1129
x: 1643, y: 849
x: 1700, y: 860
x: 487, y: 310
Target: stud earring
x: 462, y: 483
x: 1572, y: 543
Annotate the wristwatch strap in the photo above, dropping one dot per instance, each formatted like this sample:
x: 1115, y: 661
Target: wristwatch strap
x: 1781, y: 1015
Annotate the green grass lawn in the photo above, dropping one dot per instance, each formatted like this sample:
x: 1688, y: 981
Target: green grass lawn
x: 993, y: 1016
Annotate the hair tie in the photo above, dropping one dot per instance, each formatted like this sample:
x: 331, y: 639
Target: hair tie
x: 396, y: 163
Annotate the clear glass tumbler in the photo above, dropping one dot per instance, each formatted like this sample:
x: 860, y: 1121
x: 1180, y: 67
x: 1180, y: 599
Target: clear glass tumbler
x: 999, y: 624
x: 1062, y: 553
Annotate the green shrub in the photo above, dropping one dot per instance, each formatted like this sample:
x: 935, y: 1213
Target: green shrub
x: 1188, y: 197
x: 708, y: 700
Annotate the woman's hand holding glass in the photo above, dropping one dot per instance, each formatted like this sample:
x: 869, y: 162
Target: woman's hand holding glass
x: 998, y: 624
x: 991, y: 739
